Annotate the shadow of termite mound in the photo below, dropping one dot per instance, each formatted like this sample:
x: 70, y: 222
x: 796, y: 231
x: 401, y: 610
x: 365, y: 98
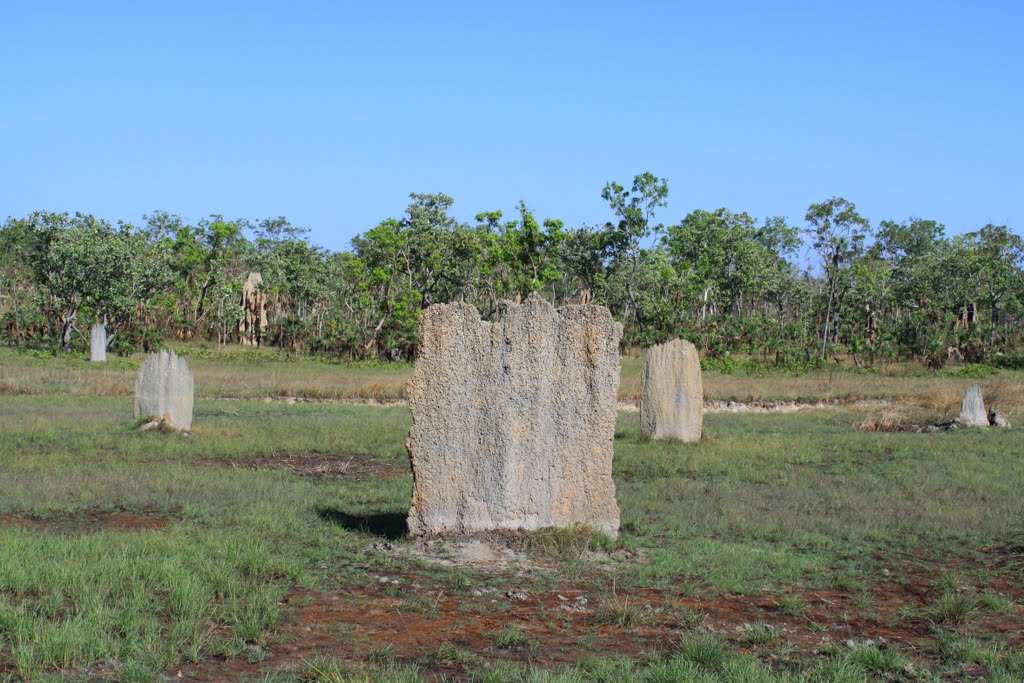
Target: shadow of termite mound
x: 388, y: 525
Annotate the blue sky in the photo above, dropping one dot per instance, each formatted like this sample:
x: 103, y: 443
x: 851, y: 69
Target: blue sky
x: 332, y: 113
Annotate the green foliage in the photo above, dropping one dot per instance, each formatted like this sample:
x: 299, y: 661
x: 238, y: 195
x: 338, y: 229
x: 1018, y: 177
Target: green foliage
x: 729, y: 283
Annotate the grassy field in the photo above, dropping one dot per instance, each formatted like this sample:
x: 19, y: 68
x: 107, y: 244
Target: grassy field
x: 268, y: 544
x: 262, y: 374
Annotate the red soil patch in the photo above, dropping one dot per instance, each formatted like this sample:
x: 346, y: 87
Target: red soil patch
x: 357, y: 466
x: 90, y: 521
x: 416, y: 618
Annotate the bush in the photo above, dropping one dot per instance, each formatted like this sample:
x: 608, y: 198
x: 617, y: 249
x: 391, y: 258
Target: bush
x: 977, y: 371
x: 1009, y: 361
x: 724, y: 364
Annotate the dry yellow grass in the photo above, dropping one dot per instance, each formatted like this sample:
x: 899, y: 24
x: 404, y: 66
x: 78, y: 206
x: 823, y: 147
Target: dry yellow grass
x: 890, y: 421
x: 246, y: 375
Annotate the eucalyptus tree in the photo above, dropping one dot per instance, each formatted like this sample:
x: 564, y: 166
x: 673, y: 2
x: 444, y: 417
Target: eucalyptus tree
x: 580, y: 264
x: 88, y: 265
x: 207, y: 258
x: 723, y: 256
x: 530, y: 251
x: 381, y: 293
x: 623, y: 241
x: 16, y: 282
x: 295, y: 277
x: 429, y: 256
x: 838, y: 235
x: 914, y: 304
x: 1000, y: 258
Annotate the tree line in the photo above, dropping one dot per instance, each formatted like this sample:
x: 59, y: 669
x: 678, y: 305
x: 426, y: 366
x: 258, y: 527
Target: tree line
x: 784, y: 295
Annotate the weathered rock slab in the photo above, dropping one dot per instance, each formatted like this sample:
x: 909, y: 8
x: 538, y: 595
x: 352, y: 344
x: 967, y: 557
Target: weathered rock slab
x: 164, y: 389
x: 672, y: 393
x: 98, y: 343
x: 972, y: 409
x: 514, y: 421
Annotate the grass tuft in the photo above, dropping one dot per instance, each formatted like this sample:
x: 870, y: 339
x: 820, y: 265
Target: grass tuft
x: 511, y: 636
x: 620, y: 612
x: 955, y: 608
x: 565, y: 543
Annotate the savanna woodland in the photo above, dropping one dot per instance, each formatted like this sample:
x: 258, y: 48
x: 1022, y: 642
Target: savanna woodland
x: 778, y: 294
x: 833, y: 524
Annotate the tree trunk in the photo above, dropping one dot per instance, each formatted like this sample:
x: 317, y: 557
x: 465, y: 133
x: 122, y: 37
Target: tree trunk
x: 67, y: 328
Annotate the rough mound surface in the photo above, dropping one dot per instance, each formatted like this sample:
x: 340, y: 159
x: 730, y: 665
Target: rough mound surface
x: 164, y: 389
x: 672, y: 395
x: 514, y: 421
x: 98, y: 343
x: 972, y: 409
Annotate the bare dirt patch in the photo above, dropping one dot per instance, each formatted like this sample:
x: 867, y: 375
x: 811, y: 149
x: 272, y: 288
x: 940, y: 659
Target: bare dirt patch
x: 1009, y: 554
x: 769, y: 406
x: 90, y: 521
x: 626, y: 406
x: 357, y: 466
x: 418, y: 620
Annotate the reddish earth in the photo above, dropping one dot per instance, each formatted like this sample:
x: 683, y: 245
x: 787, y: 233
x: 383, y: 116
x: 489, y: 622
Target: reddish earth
x: 90, y: 521
x: 415, y: 617
x: 356, y: 466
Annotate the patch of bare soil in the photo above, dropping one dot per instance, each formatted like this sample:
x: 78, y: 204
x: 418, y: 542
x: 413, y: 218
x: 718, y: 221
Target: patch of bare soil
x: 1009, y: 554
x: 710, y: 405
x: 716, y: 406
x: 356, y: 466
x: 90, y: 521
x: 416, y: 619
x: 789, y: 406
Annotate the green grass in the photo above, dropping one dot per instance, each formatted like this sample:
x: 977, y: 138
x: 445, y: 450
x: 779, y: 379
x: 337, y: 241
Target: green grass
x: 620, y: 612
x: 955, y: 608
x: 207, y: 584
x: 771, y: 506
x: 511, y: 636
x: 770, y: 499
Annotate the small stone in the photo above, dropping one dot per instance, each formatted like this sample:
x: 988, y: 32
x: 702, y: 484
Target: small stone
x: 516, y: 595
x: 576, y: 606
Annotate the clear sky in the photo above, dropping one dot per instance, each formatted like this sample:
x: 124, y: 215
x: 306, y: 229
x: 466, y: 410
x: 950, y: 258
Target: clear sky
x: 332, y: 113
